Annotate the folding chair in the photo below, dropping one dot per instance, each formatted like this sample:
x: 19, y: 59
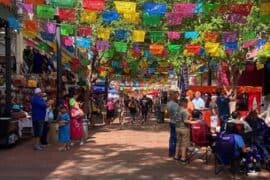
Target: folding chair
x: 224, y: 153
x: 200, y: 133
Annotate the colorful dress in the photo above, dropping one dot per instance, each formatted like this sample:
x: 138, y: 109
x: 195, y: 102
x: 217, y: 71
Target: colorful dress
x: 64, y: 131
x: 76, y: 124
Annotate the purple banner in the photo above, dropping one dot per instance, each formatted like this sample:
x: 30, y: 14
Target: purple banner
x: 174, y: 18
x: 229, y: 36
x: 102, y: 45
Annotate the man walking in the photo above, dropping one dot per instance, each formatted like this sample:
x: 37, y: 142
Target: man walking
x: 38, y: 116
x: 145, y: 104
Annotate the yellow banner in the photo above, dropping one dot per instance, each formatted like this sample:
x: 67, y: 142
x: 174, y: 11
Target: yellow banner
x: 265, y: 8
x: 132, y: 17
x: 125, y: 7
x: 213, y: 49
x: 29, y: 34
x: 138, y: 35
x: 267, y: 46
x: 88, y: 16
x: 104, y: 33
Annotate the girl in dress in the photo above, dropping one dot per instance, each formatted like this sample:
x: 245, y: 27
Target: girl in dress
x: 76, y: 121
x: 64, y: 128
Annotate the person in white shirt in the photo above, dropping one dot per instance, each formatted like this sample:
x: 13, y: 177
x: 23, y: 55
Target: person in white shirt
x: 198, y: 101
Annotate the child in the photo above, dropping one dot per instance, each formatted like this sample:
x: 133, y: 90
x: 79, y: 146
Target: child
x: 64, y: 128
x: 214, y: 120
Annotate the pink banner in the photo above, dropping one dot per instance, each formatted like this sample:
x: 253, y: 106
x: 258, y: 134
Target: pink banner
x: 67, y: 40
x: 30, y: 43
x: 174, y: 18
x: 250, y: 43
x: 50, y: 27
x: 186, y: 9
x: 28, y: 8
x: 252, y: 53
x: 173, y: 35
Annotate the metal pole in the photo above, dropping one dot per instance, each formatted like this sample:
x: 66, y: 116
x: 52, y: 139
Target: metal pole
x: 59, y: 68
x: 8, y: 70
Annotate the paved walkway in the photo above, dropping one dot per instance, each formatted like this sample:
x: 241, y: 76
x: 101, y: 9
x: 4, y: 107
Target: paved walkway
x: 130, y: 152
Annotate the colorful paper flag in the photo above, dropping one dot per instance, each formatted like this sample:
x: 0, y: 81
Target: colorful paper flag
x: 34, y: 2
x: 45, y: 11
x: 47, y: 36
x: 229, y: 36
x: 248, y: 35
x: 153, y: 8
x: 151, y: 20
x: 13, y: 22
x: 66, y: 14
x: 83, y: 42
x: 138, y: 36
x: 50, y: 27
x: 66, y: 29
x: 88, y: 16
x: 103, y: 33
x: 120, y: 46
x: 67, y: 40
x: 94, y: 5
x: 156, y: 36
x: 63, y: 3
x: 156, y: 49
x: 210, y: 36
x: 109, y: 16
x: 30, y: 25
x: 173, y: 35
x: 84, y: 31
x: 174, y: 19
x: 186, y: 9
x: 191, y: 35
x: 121, y: 34
x: 175, y: 48
x: 132, y: 17
x: 27, y: 8
x: 102, y: 45
x: 125, y: 6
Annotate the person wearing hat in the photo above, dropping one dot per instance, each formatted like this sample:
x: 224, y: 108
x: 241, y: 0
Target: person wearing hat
x: 38, y: 116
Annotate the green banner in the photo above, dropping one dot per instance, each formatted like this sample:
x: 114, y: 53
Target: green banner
x: 63, y: 3
x: 209, y: 7
x: 156, y: 36
x: 45, y: 11
x: 108, y: 54
x: 120, y: 47
x: 175, y: 48
x: 43, y: 46
x: 151, y: 20
x: 67, y: 29
x: 248, y: 35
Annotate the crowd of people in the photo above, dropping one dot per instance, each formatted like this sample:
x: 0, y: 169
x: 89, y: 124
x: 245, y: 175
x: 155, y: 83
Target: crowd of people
x: 249, y: 136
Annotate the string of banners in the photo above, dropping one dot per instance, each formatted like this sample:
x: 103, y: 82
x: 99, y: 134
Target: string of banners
x: 41, y: 15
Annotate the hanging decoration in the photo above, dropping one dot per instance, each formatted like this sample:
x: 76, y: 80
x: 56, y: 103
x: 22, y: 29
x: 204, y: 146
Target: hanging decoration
x: 103, y: 33
x: 94, y: 5
x: 45, y: 12
x: 66, y: 14
x: 102, y: 45
x: 138, y: 35
x: 125, y: 6
x: 88, y: 16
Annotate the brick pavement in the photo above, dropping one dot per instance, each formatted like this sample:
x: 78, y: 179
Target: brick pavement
x: 130, y: 152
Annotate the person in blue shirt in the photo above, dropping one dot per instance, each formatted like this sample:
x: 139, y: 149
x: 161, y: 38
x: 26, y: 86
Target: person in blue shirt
x: 223, y: 107
x: 38, y: 116
x: 64, y: 128
x: 198, y: 101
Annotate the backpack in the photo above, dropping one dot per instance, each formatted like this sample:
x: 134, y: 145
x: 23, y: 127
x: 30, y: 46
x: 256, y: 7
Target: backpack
x: 224, y: 148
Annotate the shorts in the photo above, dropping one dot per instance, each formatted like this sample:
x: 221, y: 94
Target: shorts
x: 110, y: 113
x: 183, y: 137
x: 38, y: 128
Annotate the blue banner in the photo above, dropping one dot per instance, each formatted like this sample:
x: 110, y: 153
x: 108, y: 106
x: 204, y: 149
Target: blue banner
x: 121, y: 34
x: 109, y: 16
x: 47, y: 36
x: 82, y: 42
x: 191, y: 35
x: 231, y: 45
x: 155, y: 8
x: 13, y: 22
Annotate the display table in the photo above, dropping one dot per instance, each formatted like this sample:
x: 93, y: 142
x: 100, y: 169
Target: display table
x: 206, y: 113
x: 24, y: 123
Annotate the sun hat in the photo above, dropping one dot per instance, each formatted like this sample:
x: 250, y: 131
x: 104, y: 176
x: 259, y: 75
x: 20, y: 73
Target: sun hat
x: 37, y: 91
